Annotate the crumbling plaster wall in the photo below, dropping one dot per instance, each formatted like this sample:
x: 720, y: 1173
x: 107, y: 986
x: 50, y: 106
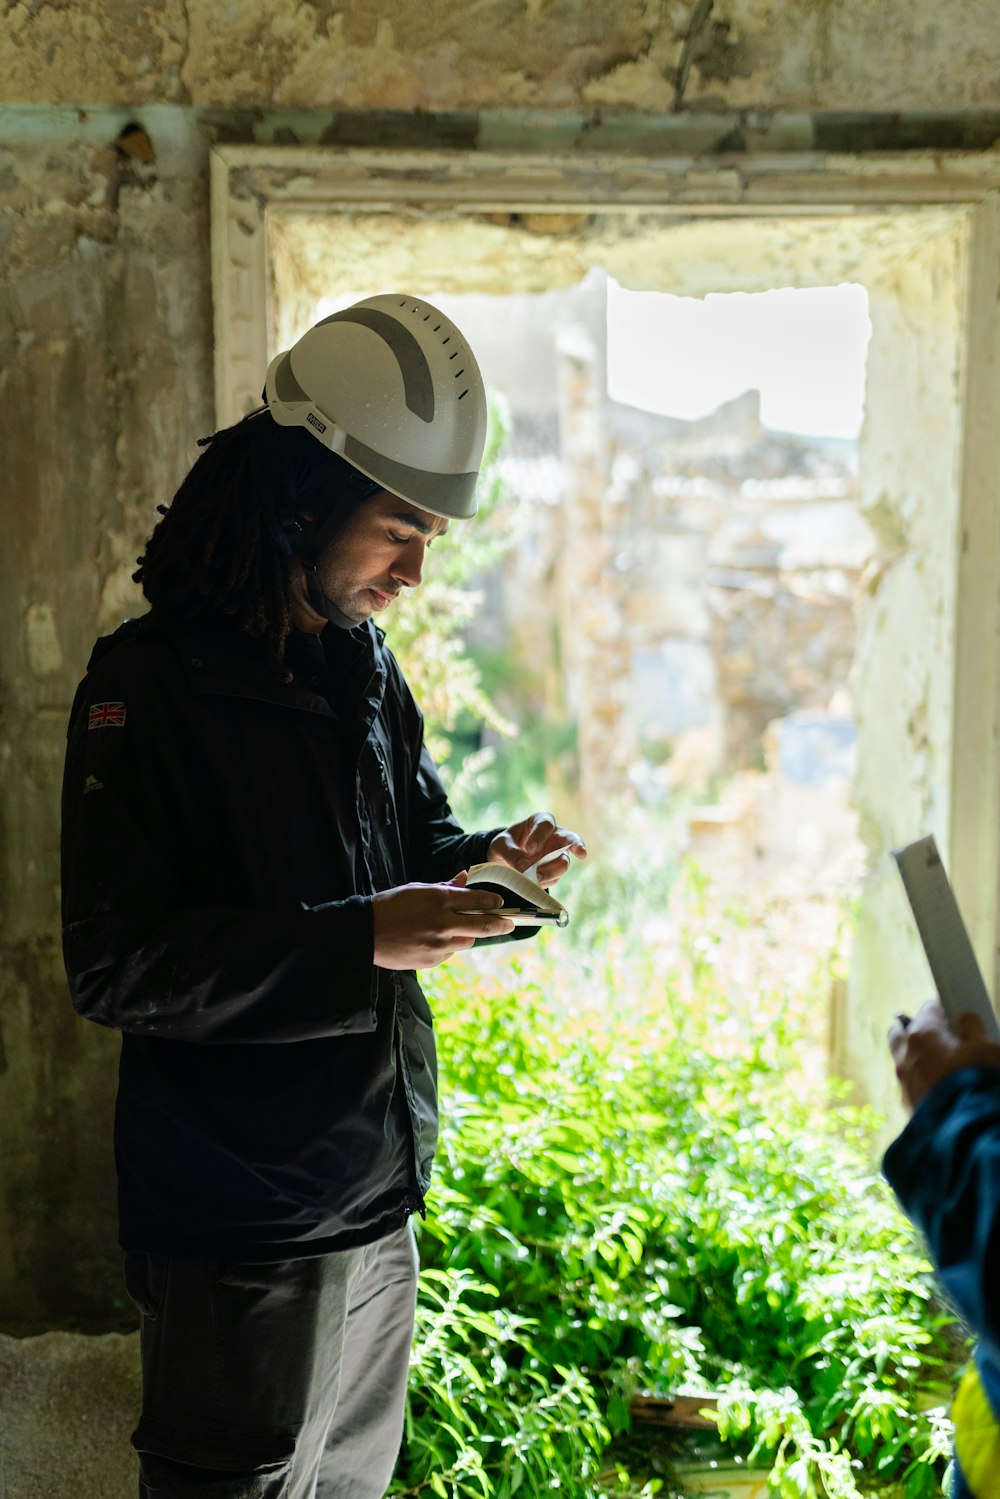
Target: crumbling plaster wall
x: 105, y: 327
x: 646, y: 55
x: 105, y: 377
x: 904, y: 674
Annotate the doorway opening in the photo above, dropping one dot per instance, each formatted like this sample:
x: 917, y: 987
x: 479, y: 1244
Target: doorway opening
x: 875, y: 693
x: 633, y: 1174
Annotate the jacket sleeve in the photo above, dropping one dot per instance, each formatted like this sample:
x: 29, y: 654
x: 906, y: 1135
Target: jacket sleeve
x: 438, y: 847
x: 143, y: 954
x: 945, y: 1170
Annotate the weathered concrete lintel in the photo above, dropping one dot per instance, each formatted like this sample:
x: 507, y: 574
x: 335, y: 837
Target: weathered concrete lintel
x: 289, y: 177
x: 692, y: 133
x: 698, y: 132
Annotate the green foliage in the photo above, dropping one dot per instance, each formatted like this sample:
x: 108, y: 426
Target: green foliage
x: 635, y: 1186
x: 425, y: 628
x: 615, y: 897
x: 499, y: 785
x: 636, y: 1189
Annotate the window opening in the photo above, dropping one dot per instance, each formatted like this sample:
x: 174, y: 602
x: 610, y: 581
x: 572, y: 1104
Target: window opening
x: 724, y: 430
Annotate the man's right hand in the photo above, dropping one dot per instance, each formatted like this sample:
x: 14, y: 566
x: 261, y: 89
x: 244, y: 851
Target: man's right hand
x: 419, y: 926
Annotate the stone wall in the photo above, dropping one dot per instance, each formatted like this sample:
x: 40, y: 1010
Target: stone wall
x: 685, y: 584
x: 104, y: 382
x: 904, y: 677
x: 105, y: 330
x: 585, y: 55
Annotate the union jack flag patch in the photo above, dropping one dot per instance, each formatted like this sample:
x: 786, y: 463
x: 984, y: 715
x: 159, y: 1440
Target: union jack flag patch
x: 106, y: 716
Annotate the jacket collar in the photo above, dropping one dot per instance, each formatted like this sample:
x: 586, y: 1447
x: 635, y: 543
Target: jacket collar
x: 217, y: 659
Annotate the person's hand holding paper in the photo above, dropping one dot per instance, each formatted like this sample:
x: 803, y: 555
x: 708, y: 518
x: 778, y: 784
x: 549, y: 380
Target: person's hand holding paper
x: 929, y: 1047
x: 538, y: 847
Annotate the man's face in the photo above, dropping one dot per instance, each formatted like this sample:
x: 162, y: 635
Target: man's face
x: 379, y: 551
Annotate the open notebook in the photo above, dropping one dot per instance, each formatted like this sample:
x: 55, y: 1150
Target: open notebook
x: 524, y: 901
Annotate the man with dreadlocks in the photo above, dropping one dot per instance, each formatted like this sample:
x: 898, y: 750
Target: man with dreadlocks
x: 257, y: 855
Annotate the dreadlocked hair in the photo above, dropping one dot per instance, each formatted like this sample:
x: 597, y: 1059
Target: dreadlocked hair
x: 212, y: 554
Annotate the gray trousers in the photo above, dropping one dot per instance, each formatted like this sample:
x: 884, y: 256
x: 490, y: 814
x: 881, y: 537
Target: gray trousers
x: 281, y: 1381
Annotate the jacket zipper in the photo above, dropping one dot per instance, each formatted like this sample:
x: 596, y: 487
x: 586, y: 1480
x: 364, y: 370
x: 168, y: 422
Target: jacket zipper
x: 384, y: 777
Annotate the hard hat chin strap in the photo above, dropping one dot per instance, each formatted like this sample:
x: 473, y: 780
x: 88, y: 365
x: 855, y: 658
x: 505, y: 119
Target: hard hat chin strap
x: 322, y: 602
x: 307, y: 553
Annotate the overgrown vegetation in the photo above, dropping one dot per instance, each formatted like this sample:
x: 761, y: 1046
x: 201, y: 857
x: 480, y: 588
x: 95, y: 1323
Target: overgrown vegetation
x: 498, y: 756
x: 636, y: 1190
x: 426, y: 629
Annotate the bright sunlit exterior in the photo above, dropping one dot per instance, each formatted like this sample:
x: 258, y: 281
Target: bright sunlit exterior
x: 685, y: 356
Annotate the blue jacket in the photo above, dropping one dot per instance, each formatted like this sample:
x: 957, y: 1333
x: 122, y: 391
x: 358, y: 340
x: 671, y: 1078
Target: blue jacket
x: 945, y: 1170
x: 223, y: 834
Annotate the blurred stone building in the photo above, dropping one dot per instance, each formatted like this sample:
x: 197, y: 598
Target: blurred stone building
x: 703, y: 573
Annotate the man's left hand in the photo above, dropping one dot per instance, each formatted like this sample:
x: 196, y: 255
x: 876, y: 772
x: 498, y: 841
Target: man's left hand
x: 926, y: 1049
x: 526, y: 843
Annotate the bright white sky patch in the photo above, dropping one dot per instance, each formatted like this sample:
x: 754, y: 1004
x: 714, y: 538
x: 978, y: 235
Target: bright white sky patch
x: 804, y: 350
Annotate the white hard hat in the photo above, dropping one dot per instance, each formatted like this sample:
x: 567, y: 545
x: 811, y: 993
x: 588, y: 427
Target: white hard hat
x: 392, y: 386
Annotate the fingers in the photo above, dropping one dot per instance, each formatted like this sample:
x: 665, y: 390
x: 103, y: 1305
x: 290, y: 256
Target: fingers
x: 553, y: 864
x: 537, y: 841
x: 472, y: 914
x: 929, y: 1048
x: 542, y: 825
x: 567, y: 847
x: 478, y: 924
x: 969, y: 1027
x: 416, y: 926
x: 909, y: 1034
x: 523, y: 841
x: 549, y: 868
x: 471, y: 900
x: 898, y: 1038
x: 931, y: 1016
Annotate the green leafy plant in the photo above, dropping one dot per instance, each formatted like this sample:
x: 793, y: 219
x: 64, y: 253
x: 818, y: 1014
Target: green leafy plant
x: 426, y: 628
x: 636, y: 1190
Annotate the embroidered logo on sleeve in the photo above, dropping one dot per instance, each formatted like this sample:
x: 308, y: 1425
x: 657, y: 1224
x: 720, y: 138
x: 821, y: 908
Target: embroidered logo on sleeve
x: 106, y: 716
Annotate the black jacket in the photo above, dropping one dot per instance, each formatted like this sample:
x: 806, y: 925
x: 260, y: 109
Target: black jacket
x: 223, y: 833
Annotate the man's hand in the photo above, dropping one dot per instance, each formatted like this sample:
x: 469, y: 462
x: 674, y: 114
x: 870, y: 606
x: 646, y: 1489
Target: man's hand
x: 526, y: 843
x: 926, y: 1048
x: 419, y: 926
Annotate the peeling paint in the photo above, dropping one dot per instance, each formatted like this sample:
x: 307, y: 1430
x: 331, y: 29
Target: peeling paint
x: 42, y: 647
x: 544, y: 54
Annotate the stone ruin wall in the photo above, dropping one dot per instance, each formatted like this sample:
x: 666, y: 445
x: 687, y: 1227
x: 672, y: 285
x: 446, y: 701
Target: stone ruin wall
x: 702, y: 574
